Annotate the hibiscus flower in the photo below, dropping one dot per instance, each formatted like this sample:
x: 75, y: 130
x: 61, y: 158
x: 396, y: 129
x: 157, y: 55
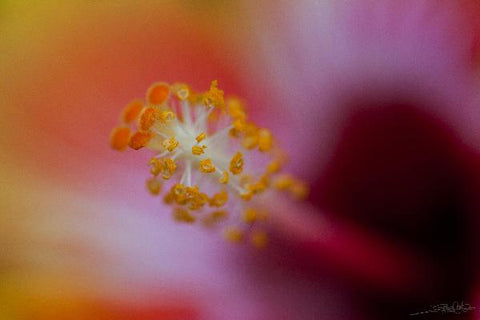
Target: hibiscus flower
x: 340, y: 86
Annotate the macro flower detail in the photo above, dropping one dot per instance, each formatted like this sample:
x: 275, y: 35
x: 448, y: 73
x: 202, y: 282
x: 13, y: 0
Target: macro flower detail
x: 212, y: 164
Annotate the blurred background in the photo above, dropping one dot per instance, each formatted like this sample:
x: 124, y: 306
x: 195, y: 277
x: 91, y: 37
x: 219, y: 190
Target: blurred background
x: 376, y: 103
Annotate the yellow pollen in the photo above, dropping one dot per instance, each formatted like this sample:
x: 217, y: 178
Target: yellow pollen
x: 233, y: 234
x: 283, y: 182
x: 219, y: 199
x: 265, y: 140
x: 249, y: 215
x: 224, y: 178
x: 214, y: 97
x: 247, y: 196
x: 154, y: 186
x: 225, y: 158
x: 201, y: 137
x: 170, y: 144
x: 206, y: 166
x: 182, y: 91
x: 182, y: 215
x: 169, y: 168
x: 235, y: 109
x: 166, y: 116
x: 250, y: 141
x: 273, y: 167
x: 157, y: 166
x: 236, y: 164
x: 197, y: 150
x: 214, y: 217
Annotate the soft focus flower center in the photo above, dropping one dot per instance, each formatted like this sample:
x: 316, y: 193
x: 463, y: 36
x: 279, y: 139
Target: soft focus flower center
x: 221, y: 163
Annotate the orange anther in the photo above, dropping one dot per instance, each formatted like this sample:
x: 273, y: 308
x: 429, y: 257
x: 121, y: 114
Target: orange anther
x: 131, y: 111
x: 139, y: 140
x: 119, y: 138
x: 158, y: 93
x: 147, y: 118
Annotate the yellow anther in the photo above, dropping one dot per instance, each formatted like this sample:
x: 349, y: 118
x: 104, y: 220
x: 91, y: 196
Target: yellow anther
x: 235, y: 109
x: 214, y: 217
x: 265, y: 140
x: 201, y: 137
x: 273, y: 167
x: 249, y: 215
x: 259, y: 239
x: 183, y: 215
x: 169, y: 198
x: 119, y: 138
x: 170, y: 144
x: 206, y: 166
x: 169, y: 168
x: 157, y: 166
x: 236, y: 164
x: 219, y: 199
x: 214, y: 97
x: 147, y: 118
x: 283, y: 182
x: 154, y: 186
x: 250, y: 141
x: 179, y: 194
x: 224, y: 178
x: 195, y: 199
x: 239, y: 126
x: 158, y: 93
x: 246, y: 195
x: 166, y: 116
x: 131, y: 111
x: 260, y: 186
x: 197, y: 150
x: 233, y: 234
x: 139, y: 140
x: 178, y: 189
